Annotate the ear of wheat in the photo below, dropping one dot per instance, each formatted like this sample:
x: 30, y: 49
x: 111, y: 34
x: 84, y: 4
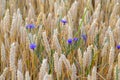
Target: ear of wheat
x: 59, y: 40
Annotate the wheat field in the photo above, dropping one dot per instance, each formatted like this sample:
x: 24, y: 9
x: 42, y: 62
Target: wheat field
x: 59, y: 39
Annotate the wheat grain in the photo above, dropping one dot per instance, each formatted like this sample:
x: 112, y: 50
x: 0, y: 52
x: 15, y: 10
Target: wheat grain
x: 111, y: 56
x: 3, y: 53
x: 27, y: 76
x: 74, y: 72
x: 19, y: 75
x: 43, y: 69
x: 94, y: 72
x: 80, y: 56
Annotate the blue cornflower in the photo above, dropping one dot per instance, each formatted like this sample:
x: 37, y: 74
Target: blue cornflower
x: 75, y: 39
x: 84, y: 37
x: 64, y: 21
x: 30, y: 26
x: 118, y: 46
x: 69, y: 41
x: 33, y: 46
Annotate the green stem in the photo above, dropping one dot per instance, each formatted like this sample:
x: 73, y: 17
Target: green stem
x: 83, y: 17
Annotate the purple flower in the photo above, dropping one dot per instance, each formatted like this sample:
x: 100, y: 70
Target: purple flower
x: 64, y: 21
x: 75, y: 39
x: 32, y: 46
x: 69, y: 41
x: 30, y: 26
x: 84, y: 37
x: 118, y: 46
